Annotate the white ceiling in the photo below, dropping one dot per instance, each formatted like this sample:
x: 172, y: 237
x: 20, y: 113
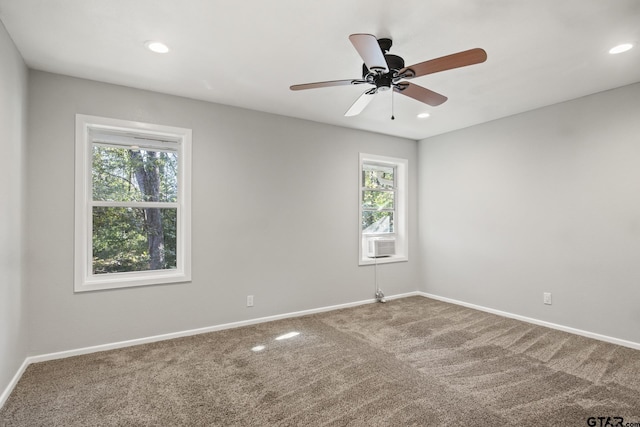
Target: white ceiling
x: 247, y: 53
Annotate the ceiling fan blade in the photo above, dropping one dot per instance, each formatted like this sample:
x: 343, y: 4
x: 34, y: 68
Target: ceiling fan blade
x: 420, y: 93
x: 456, y: 60
x: 370, y: 52
x: 327, y: 84
x: 361, y: 103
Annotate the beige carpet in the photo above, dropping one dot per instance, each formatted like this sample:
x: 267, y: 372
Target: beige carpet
x: 413, y: 361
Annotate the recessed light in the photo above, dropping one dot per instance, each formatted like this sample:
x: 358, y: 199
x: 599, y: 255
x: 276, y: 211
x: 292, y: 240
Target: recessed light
x: 620, y: 48
x: 423, y: 115
x: 157, y: 47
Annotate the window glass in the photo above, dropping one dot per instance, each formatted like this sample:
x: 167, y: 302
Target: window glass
x: 133, y: 239
x: 377, y: 199
x: 377, y: 222
x: 377, y: 176
x: 125, y: 174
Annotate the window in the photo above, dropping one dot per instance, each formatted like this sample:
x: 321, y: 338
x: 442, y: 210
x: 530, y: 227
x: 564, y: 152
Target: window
x: 132, y: 204
x: 383, y: 206
x: 378, y: 198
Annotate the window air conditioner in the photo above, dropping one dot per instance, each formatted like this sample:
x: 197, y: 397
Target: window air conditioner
x: 379, y: 247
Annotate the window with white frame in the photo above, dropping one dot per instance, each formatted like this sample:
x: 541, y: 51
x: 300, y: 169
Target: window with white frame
x: 132, y: 189
x: 382, y: 209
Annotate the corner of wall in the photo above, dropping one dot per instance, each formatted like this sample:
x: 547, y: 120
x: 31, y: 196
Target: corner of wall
x: 13, y: 142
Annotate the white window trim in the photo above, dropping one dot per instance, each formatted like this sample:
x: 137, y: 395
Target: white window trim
x: 84, y: 279
x: 400, y: 223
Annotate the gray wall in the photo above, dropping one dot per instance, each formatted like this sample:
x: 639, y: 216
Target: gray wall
x: 13, y: 307
x: 544, y: 201
x: 275, y: 215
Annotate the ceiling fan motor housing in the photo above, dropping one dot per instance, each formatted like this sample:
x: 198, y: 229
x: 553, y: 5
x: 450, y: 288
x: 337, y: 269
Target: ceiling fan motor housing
x: 384, y: 81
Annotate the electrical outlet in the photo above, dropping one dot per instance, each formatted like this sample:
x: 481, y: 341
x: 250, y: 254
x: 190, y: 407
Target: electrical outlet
x: 249, y: 300
x: 547, y: 298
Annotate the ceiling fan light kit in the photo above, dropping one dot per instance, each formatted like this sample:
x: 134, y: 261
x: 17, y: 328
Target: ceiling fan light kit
x: 386, y: 71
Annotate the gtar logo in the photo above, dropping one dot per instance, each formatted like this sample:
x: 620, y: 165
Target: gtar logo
x: 605, y: 422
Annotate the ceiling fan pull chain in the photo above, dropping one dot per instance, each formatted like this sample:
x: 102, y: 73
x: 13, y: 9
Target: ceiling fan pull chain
x: 392, y: 105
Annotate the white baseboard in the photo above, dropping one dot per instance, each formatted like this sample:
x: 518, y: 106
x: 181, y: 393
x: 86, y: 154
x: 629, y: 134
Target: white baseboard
x: 138, y: 341
x: 7, y: 391
x: 563, y: 328
x: 121, y: 344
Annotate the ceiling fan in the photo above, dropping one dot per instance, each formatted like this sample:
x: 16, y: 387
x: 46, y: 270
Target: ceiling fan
x: 386, y: 71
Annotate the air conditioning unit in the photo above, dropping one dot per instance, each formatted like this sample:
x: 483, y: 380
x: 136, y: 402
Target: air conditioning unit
x: 380, y: 247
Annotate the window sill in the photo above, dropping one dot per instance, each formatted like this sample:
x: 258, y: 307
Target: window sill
x: 383, y: 260
x: 129, y: 280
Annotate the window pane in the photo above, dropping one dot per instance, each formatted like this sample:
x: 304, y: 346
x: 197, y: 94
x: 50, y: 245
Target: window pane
x: 380, y: 177
x: 377, y: 199
x: 377, y: 222
x: 133, y: 239
x: 123, y: 174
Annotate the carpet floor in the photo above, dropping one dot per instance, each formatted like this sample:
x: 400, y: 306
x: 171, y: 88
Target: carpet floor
x: 410, y: 362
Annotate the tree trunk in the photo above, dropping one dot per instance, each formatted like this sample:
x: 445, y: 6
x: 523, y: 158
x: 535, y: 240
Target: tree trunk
x: 147, y: 173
